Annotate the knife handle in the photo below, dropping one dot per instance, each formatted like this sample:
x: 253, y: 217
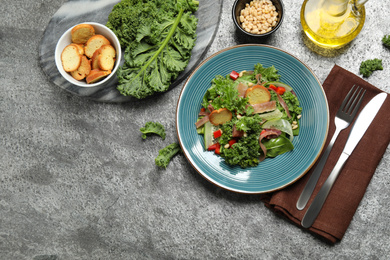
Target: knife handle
x: 319, y: 200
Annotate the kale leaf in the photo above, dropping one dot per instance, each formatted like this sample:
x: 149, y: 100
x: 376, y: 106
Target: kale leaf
x: 166, y: 154
x: 292, y: 103
x: 153, y: 128
x: 223, y: 93
x: 249, y: 123
x: 127, y: 16
x: 158, y: 37
x: 245, y: 153
x: 386, y: 40
x: 246, y: 150
x: 267, y: 74
x: 369, y: 66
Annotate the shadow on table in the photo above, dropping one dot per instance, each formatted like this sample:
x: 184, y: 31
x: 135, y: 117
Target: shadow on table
x: 245, y: 39
x: 330, y: 53
x: 242, y: 38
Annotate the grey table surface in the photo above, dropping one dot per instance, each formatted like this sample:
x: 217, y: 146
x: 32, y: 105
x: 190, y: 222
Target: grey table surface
x: 77, y: 181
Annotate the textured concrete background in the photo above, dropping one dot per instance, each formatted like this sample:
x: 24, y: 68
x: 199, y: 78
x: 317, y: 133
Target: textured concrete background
x: 78, y: 182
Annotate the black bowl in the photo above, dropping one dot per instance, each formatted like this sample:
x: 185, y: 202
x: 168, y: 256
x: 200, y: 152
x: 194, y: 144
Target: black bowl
x: 240, y: 4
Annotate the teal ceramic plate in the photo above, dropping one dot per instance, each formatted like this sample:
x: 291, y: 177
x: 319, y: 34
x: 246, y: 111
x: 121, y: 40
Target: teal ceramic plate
x: 271, y: 174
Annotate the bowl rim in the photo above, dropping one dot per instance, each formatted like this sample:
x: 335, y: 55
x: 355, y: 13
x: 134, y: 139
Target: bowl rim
x: 82, y: 83
x: 238, y: 26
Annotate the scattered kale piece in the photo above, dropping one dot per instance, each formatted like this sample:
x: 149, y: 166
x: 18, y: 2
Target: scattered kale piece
x: 166, y: 154
x: 369, y: 66
x: 153, y: 128
x: 386, y: 40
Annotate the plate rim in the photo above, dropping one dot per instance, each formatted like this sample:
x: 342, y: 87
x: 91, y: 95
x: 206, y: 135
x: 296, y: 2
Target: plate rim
x: 205, y: 176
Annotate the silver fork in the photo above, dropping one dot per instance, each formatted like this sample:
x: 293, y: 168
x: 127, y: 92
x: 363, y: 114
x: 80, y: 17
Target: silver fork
x: 343, y: 119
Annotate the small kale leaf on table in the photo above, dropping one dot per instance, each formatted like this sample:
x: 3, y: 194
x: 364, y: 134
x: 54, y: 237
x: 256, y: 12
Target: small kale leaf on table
x: 166, y: 154
x: 367, y: 67
x: 386, y: 41
x: 158, y: 37
x: 153, y: 128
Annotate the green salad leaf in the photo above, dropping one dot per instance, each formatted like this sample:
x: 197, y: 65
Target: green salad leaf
x: 166, y: 154
x: 292, y: 103
x: 278, y: 146
x: 153, y: 128
x: 158, y: 37
x: 223, y: 94
x: 249, y: 123
x: 267, y: 74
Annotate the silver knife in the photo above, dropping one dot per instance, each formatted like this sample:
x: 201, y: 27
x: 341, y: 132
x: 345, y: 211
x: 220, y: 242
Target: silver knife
x: 359, y: 128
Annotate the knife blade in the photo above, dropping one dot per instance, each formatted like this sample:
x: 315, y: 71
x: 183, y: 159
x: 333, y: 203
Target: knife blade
x: 359, y: 128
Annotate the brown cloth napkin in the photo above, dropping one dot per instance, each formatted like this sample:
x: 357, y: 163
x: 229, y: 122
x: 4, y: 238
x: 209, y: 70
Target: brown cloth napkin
x: 349, y: 188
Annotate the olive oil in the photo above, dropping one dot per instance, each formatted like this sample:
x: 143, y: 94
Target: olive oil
x: 331, y: 24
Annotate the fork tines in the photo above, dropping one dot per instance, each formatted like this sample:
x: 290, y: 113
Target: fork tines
x: 354, y: 102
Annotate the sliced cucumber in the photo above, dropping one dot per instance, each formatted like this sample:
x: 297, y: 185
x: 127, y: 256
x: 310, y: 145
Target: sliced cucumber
x: 276, y: 114
x: 279, y: 84
x: 280, y: 124
x: 209, y: 139
x: 200, y: 130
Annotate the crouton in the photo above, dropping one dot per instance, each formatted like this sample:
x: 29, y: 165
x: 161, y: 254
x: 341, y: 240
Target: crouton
x: 94, y: 43
x: 94, y: 60
x: 83, y: 70
x: 70, y: 58
x: 220, y: 116
x: 80, y: 47
x: 82, y: 32
x: 96, y: 75
x: 106, y: 58
x: 257, y: 94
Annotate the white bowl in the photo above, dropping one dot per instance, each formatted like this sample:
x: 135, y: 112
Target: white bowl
x: 66, y: 39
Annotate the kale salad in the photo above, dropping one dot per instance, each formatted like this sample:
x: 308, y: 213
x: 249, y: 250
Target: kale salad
x: 249, y: 116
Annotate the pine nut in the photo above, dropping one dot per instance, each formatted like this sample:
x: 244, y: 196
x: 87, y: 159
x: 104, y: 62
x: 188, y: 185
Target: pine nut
x: 259, y: 12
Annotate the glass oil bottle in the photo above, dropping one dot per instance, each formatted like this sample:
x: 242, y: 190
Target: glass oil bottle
x: 331, y: 24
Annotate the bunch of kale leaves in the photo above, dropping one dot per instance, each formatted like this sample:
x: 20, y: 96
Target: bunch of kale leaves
x: 158, y: 37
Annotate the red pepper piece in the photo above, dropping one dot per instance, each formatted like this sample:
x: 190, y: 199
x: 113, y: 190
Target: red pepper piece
x: 214, y: 146
x: 218, y: 149
x: 231, y: 142
x: 272, y: 87
x: 217, y: 133
x: 280, y: 90
x: 234, y: 75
